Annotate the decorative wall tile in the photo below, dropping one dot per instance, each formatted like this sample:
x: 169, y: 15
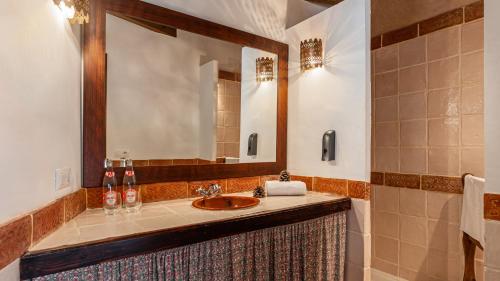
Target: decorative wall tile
x: 337, y: 186
x: 263, y: 179
x: 402, y: 180
x: 400, y: 35
x: 492, y: 206
x: 474, y: 11
x: 15, y: 239
x: 358, y: 189
x: 242, y: 184
x: 164, y: 191
x: 307, y: 180
x: 75, y: 204
x: 443, y: 184
x: 444, y: 20
x: 377, y: 178
x: 47, y: 220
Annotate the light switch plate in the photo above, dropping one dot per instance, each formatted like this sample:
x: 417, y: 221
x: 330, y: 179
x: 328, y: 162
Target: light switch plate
x: 63, y: 178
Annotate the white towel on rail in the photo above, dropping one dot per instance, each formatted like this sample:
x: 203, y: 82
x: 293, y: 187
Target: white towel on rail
x: 472, y: 221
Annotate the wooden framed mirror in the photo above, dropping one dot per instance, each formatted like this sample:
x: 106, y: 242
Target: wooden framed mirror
x: 137, y: 54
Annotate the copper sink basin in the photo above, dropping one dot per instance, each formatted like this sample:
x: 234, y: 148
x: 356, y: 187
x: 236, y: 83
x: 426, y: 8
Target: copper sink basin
x: 225, y: 203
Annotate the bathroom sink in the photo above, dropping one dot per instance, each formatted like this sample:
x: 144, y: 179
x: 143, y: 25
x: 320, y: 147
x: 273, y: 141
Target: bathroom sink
x: 225, y: 203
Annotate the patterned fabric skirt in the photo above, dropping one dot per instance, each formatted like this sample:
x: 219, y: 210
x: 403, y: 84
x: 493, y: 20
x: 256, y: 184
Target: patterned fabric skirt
x: 309, y: 250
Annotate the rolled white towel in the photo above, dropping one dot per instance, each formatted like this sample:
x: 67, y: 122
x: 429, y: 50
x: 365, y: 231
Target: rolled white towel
x: 283, y: 188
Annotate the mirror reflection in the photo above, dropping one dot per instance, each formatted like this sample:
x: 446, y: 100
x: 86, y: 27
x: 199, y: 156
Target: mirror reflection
x: 179, y: 98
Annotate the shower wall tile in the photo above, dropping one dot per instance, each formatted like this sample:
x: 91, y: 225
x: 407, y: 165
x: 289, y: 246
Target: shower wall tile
x: 438, y: 85
x: 412, y: 52
x: 444, y: 43
x: 386, y: 59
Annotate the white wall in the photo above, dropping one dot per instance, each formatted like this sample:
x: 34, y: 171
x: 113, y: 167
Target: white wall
x: 153, y: 93
x: 262, y: 17
x: 492, y: 131
x: 259, y: 107
x: 40, y: 73
x: 334, y: 97
x: 40, y: 70
x: 209, y: 77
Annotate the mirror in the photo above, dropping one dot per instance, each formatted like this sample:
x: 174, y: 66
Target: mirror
x: 179, y: 98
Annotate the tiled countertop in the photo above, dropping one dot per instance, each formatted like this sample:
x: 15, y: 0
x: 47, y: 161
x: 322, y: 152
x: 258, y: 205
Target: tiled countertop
x: 93, y: 225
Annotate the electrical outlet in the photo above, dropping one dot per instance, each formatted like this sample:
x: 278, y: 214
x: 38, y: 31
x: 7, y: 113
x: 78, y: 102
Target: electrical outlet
x: 63, y: 178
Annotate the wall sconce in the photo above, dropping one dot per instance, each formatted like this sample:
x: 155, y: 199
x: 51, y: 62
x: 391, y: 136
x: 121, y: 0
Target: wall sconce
x: 76, y: 11
x: 264, y: 69
x: 311, y: 54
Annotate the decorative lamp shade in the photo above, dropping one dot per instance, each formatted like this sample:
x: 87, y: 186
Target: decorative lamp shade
x: 76, y: 11
x: 264, y: 69
x: 311, y: 54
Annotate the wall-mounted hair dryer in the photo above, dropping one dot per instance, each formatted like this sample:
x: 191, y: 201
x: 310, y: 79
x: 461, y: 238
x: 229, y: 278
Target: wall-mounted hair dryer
x: 328, y: 152
x: 252, y: 145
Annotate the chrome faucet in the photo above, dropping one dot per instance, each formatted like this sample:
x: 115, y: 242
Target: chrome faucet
x: 212, y: 190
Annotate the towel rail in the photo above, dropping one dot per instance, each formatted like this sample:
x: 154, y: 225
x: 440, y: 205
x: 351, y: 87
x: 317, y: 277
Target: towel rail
x: 469, y: 245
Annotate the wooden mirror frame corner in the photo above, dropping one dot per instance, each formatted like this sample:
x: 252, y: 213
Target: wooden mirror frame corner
x: 94, y: 96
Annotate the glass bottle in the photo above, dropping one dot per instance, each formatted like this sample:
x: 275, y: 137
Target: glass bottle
x: 111, y: 198
x: 131, y: 191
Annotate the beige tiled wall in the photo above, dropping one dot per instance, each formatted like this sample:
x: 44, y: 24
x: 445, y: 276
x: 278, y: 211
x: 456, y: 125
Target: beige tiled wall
x: 416, y: 234
x: 428, y: 103
x: 228, y: 118
x: 428, y: 119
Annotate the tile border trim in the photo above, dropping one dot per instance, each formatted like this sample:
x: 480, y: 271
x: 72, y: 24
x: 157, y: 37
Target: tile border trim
x: 423, y: 182
x: 20, y: 233
x: 492, y: 206
x: 454, y: 17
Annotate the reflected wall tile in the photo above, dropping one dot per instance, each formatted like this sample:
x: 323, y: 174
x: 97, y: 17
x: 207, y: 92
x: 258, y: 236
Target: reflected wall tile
x: 412, y: 106
x: 443, y: 103
x: 412, y: 79
x: 386, y: 109
x: 386, y: 84
x: 386, y: 59
x: 473, y: 36
x: 444, y: 73
x: 412, y: 52
x: 472, y: 69
x: 443, y: 43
